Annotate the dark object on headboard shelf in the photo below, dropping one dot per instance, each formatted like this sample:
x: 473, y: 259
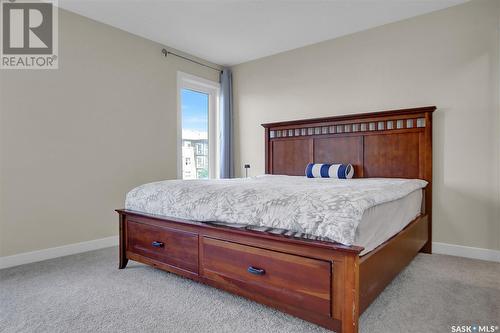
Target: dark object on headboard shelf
x: 335, y: 284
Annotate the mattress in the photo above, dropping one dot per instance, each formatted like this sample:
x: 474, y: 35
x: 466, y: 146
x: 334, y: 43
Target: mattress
x: 378, y: 224
x: 317, y: 208
x: 381, y: 222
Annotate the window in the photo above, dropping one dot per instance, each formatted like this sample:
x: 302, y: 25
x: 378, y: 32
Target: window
x: 199, y: 162
x: 200, y: 148
x: 197, y: 127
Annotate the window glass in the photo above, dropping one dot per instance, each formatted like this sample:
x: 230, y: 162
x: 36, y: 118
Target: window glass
x: 195, y: 149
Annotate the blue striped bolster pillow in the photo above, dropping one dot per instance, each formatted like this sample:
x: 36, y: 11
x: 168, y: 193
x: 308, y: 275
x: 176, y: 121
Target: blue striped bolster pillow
x: 342, y: 171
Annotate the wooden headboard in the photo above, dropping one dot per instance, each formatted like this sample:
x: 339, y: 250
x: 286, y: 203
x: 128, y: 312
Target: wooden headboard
x: 394, y: 144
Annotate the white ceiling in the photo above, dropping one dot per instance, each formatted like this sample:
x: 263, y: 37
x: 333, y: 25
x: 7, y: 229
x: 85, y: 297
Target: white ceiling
x: 231, y: 32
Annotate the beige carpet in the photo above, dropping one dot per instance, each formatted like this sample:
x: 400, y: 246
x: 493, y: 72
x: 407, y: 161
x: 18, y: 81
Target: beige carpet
x: 87, y: 293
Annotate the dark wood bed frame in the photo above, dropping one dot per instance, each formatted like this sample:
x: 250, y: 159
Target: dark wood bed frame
x: 322, y: 282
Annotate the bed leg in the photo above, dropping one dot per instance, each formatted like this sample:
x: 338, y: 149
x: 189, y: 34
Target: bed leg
x: 428, y: 246
x: 123, y: 260
x: 350, y: 315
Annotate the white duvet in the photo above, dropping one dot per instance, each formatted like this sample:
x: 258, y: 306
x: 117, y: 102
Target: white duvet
x: 322, y: 207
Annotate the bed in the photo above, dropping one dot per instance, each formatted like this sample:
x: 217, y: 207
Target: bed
x: 319, y: 273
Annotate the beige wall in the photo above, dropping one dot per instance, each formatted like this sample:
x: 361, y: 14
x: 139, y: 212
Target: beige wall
x: 73, y: 141
x: 448, y: 58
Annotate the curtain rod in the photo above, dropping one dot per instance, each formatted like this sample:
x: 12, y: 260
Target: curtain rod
x: 166, y: 53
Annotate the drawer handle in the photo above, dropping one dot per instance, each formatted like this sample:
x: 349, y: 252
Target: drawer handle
x: 256, y: 271
x: 157, y: 244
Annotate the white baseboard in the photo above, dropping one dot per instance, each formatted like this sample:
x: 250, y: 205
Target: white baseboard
x: 66, y: 250
x: 55, y: 252
x: 466, y: 251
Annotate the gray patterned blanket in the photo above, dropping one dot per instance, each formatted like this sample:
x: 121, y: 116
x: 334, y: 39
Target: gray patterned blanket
x: 323, y: 207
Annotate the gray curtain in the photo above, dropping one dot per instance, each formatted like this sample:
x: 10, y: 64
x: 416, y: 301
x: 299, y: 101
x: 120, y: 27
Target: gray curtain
x: 226, y: 125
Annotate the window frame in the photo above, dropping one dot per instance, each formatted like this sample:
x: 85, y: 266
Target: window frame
x: 212, y: 89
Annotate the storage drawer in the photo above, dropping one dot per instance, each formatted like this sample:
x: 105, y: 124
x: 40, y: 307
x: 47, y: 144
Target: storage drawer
x: 284, y: 278
x: 170, y: 246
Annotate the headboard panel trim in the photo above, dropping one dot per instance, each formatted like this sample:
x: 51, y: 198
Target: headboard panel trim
x: 356, y: 118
